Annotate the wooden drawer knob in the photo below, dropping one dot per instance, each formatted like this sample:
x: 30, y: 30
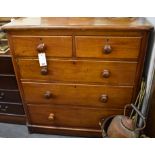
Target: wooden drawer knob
x: 41, y: 48
x: 107, y: 49
x: 48, y: 95
x: 106, y: 73
x: 51, y: 116
x: 2, y: 95
x: 44, y: 71
x: 104, y: 98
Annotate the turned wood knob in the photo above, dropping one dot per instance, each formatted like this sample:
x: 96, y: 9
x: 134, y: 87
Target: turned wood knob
x: 44, y: 70
x: 41, y: 48
x: 51, y: 116
x: 48, y: 95
x: 104, y: 98
x: 106, y: 73
x: 2, y: 95
x: 107, y: 49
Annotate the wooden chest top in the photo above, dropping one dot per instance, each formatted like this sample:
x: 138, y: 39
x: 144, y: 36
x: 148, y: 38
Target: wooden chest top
x: 79, y: 23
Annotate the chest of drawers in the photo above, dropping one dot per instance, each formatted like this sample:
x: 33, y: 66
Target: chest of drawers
x: 11, y: 108
x: 94, y: 67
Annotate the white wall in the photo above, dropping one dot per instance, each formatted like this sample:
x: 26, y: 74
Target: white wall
x: 151, y: 19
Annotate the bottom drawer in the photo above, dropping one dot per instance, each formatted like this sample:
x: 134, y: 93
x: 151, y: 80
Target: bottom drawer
x: 68, y: 116
x: 11, y: 109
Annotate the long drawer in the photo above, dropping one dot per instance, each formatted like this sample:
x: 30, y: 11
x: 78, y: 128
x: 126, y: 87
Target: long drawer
x: 6, y: 66
x: 10, y: 96
x: 107, y: 47
x: 106, y: 72
x: 68, y: 116
x: 57, y: 46
x: 11, y: 108
x: 77, y: 94
x: 8, y: 82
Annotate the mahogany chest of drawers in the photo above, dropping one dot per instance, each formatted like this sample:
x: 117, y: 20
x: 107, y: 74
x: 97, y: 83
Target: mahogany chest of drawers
x: 11, y: 108
x: 94, y: 67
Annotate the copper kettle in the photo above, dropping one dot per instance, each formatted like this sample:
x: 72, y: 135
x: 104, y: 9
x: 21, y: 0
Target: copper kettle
x: 122, y: 126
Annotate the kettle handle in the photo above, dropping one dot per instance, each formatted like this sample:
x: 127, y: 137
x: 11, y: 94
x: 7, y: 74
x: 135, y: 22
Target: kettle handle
x: 104, y: 124
x: 139, y: 113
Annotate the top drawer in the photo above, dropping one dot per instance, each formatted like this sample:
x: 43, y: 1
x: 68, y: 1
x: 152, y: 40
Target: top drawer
x: 56, y: 46
x: 107, y: 47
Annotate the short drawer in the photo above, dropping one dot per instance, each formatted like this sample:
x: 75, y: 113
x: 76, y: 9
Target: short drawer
x: 11, y: 109
x: 77, y: 94
x: 10, y: 96
x: 8, y: 82
x: 68, y: 116
x: 6, y: 66
x: 57, y: 46
x: 107, y: 47
x: 106, y: 72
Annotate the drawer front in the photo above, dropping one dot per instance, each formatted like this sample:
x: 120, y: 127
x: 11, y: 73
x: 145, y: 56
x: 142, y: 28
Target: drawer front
x: 8, y: 82
x: 11, y: 109
x: 120, y: 73
x: 57, y: 46
x: 77, y: 94
x: 68, y: 116
x: 10, y: 96
x: 107, y: 47
x: 6, y: 66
